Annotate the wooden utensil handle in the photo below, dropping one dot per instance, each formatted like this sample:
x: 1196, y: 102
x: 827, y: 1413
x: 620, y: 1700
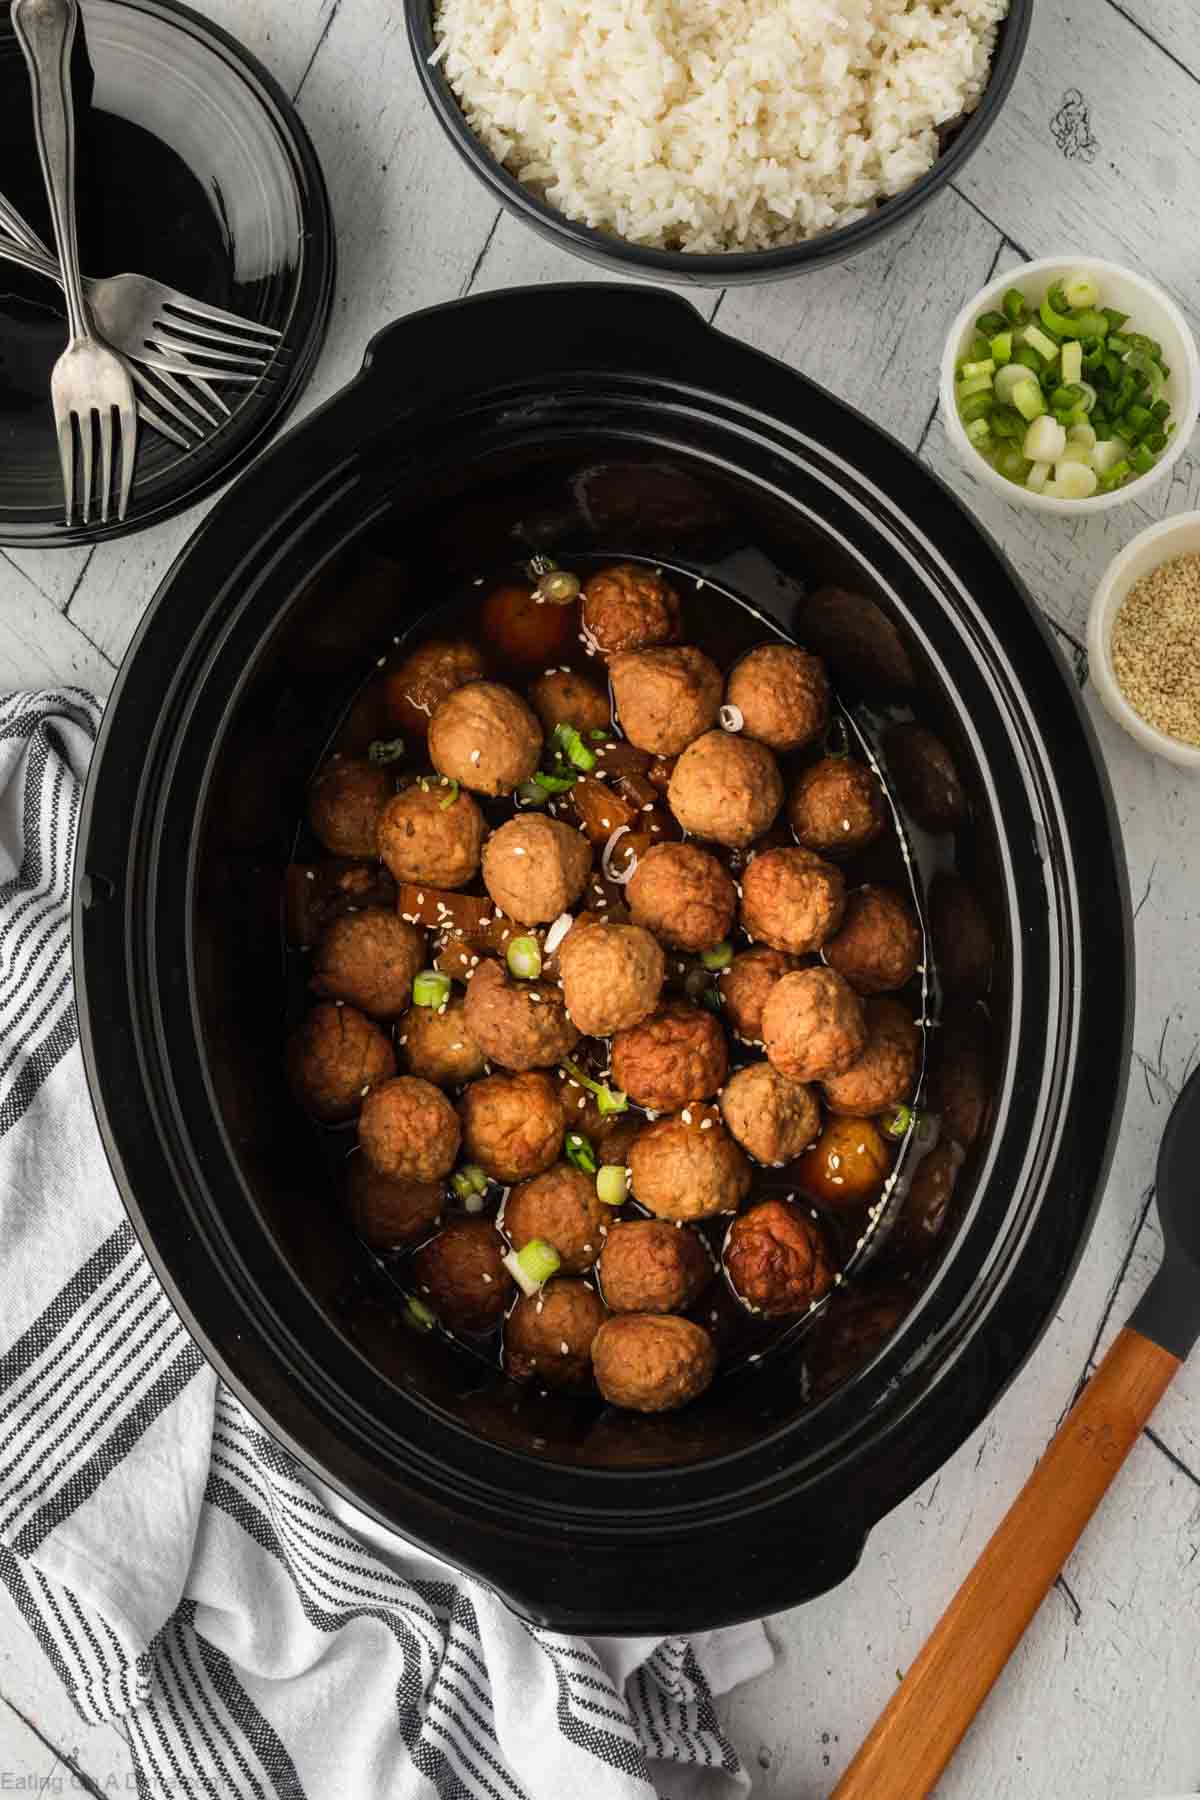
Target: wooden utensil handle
x: 923, y: 1723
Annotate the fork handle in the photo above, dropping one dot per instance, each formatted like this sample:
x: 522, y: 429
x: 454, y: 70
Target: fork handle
x: 45, y: 30
x: 30, y: 259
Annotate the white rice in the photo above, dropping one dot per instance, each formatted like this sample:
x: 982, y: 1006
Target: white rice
x: 710, y: 125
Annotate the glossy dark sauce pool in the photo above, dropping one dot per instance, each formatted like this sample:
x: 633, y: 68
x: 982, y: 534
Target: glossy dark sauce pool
x: 725, y: 625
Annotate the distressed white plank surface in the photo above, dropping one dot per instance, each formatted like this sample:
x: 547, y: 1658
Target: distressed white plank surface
x: 1102, y: 1706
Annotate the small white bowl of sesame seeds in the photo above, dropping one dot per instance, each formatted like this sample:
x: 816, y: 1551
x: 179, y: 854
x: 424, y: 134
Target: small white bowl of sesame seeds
x: 1144, y: 639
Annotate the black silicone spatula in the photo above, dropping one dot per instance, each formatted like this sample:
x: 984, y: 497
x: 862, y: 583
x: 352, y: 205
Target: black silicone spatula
x: 925, y: 1720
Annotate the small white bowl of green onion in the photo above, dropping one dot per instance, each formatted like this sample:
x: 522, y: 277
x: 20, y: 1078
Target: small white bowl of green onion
x: 1070, y: 385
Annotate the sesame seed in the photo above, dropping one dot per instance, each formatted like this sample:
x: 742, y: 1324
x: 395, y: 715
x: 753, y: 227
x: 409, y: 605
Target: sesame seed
x: 476, y: 756
x: 565, y: 1348
x: 686, y: 1116
x: 707, y: 1125
x: 487, y: 1277
x: 420, y: 899
x: 309, y: 875
x: 458, y: 1046
x: 518, y: 850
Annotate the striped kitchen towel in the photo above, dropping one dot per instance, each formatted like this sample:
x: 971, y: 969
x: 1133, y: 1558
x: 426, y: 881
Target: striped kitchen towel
x: 255, y: 1636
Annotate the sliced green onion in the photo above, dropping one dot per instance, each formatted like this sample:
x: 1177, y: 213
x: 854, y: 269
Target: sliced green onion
x: 979, y: 434
x: 1038, y: 476
x: 1072, y: 481
x: 1156, y: 441
x: 597, y: 735
x: 612, y: 1184
x: 1015, y: 307
x: 1007, y: 378
x: 1107, y: 454
x: 1115, y: 319
x: 1081, y: 434
x: 974, y: 384
x: 1144, y: 368
x: 719, y: 957
x: 1045, y: 441
x: 977, y: 407
x: 579, y: 1153
x: 900, y: 1122
x: 1116, y: 476
x: 1142, y: 459
x: 385, y: 750
x: 1072, y: 361
x: 608, y: 1100
x: 554, y: 784
x: 1028, y: 359
x: 1028, y: 400
x: 1010, y: 463
x: 524, y: 958
x: 1002, y: 348
x: 971, y: 369
x: 1140, y: 417
x: 470, y: 1179
x: 567, y: 741
x: 1081, y: 289
x: 1037, y: 340
x: 979, y: 349
x: 419, y: 1313
x: 1007, y: 422
x: 532, y: 1266
x: 989, y: 323
x: 531, y: 793
x: 451, y: 797
x: 431, y: 988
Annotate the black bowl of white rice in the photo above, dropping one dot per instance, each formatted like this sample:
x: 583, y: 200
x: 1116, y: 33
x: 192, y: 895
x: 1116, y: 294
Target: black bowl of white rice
x: 716, y: 141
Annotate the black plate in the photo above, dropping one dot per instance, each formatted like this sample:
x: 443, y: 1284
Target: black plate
x: 195, y: 169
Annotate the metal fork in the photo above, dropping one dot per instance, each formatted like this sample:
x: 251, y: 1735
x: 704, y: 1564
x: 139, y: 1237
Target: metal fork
x: 89, y: 381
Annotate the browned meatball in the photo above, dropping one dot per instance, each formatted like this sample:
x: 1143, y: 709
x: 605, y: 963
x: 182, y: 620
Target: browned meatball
x: 925, y: 777
x: 744, y: 987
x: 518, y: 1024
x: 535, y: 868
x: 346, y: 797
x: 512, y: 1124
x: 560, y: 697
x: 963, y: 1079
x: 727, y: 788
x: 612, y: 976
x: 548, y: 1336
x: 629, y: 607
x: 461, y: 1274
x: 792, y: 900
x: 847, y: 1166
x: 388, y: 1214
x: 652, y: 1363
x: 665, y: 698
x: 609, y: 1134
x: 837, y: 806
x: 878, y: 944
x: 676, y: 1055
x: 409, y: 1130
x: 884, y: 1074
x: 777, y: 1259
x: 431, y: 833
x: 486, y: 737
x: 813, y: 1025
x: 683, y: 895
x: 436, y: 1045
x: 334, y: 1054
x: 688, y: 1167
x: 417, y: 688
x: 922, y: 1216
x: 563, y: 1207
x: 369, y: 958
x: 770, y: 1115
x: 782, y: 694
x: 856, y: 638
x: 649, y: 1265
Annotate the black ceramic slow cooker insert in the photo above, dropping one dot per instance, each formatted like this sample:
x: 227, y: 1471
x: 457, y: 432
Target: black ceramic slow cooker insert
x: 572, y: 421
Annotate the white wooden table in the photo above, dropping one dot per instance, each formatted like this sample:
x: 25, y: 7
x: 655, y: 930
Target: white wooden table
x: 1103, y: 1700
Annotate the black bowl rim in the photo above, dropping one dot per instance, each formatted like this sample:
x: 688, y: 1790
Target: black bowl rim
x: 713, y: 268
x: 311, y: 308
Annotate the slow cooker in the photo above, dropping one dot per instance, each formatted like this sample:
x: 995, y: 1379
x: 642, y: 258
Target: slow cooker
x: 572, y: 420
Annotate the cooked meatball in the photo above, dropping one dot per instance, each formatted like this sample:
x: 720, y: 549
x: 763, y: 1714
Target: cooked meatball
x: 525, y: 633
x: 461, y: 1274
x: 792, y: 899
x: 963, y: 1082
x: 856, y: 638
x: 629, y: 607
x: 813, y: 1025
x: 485, y: 736
x: 727, y: 788
x: 346, y: 797
x: 563, y: 1207
x: 409, y: 1130
x: 652, y: 1363
x: 884, y: 1074
x: 512, y: 1125
x: 964, y: 947
x: 560, y: 697
x: 388, y: 1214
x: 548, y: 1336
x: 609, y: 1134
x: 612, y: 976
x: 369, y: 958
x: 922, y: 1216
x: 688, y: 1168
x: 683, y: 895
x: 744, y: 987
x: 770, y: 1115
x: 878, y: 945
x: 333, y: 1055
x: 535, y: 868
x: 846, y: 1166
x: 437, y: 1046
x: 665, y: 698
x: 518, y: 1024
x: 925, y: 777
x: 650, y: 1265
x: 782, y: 694
x: 415, y: 690
x: 429, y: 833
x: 837, y: 806
x: 676, y: 1055
x: 777, y: 1259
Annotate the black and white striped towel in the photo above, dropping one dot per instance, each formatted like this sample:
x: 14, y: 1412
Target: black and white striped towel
x: 256, y: 1636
